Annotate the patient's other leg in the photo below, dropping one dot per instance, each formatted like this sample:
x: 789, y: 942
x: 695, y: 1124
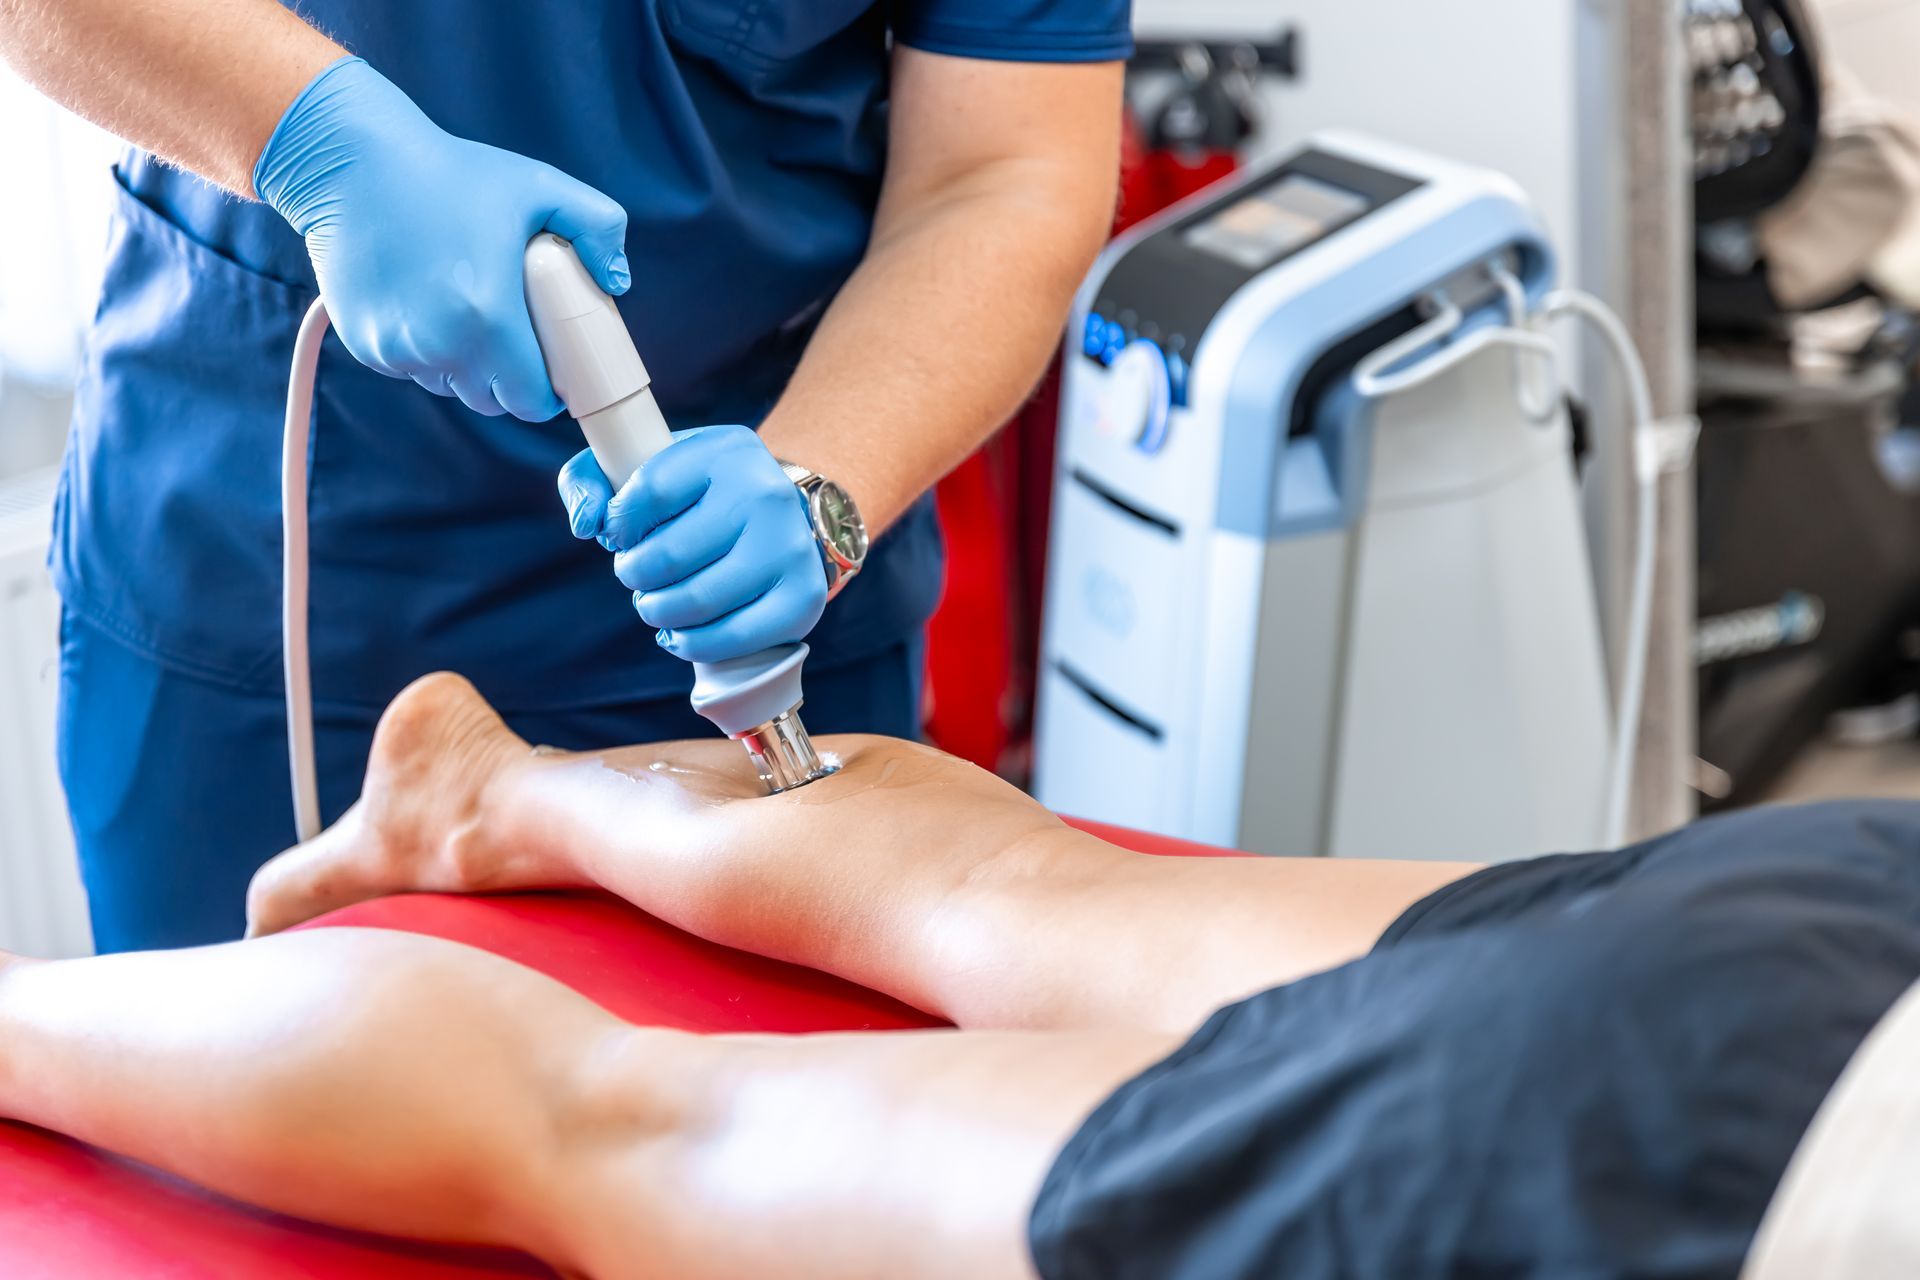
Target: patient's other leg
x: 406, y: 1085
x: 357, y: 1077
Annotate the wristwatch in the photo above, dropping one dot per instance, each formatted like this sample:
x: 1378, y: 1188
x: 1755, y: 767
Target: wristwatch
x: 837, y: 525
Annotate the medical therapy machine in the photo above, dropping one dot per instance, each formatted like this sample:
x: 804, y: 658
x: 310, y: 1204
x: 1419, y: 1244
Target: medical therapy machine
x: 1318, y: 578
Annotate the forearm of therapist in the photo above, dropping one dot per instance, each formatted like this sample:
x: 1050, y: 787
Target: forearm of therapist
x: 999, y: 193
x: 200, y: 83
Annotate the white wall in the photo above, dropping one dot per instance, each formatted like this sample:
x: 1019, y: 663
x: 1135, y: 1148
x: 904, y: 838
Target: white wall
x: 53, y: 223
x: 1491, y: 82
x: 1877, y: 41
x: 52, y: 231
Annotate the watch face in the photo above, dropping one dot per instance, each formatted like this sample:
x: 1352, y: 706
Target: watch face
x: 840, y: 523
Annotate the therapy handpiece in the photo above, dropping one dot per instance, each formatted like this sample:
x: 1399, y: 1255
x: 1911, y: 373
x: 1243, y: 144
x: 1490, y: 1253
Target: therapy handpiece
x: 598, y: 373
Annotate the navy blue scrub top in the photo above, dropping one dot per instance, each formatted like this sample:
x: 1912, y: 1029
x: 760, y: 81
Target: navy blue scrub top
x: 745, y: 138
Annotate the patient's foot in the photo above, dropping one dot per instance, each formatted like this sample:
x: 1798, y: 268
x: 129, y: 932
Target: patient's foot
x: 417, y: 826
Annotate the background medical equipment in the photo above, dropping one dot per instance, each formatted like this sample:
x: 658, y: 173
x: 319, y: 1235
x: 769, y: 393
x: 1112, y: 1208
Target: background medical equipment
x: 1319, y: 582
x: 599, y: 375
x: 1193, y: 109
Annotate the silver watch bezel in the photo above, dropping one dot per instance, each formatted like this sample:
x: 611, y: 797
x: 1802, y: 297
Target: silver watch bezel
x: 840, y: 567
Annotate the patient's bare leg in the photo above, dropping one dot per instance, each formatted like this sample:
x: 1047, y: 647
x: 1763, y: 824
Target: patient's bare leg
x: 342, y: 1076
x: 394, y: 1083
x: 908, y: 871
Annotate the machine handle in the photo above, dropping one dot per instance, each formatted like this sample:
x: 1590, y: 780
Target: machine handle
x: 597, y: 371
x: 591, y: 359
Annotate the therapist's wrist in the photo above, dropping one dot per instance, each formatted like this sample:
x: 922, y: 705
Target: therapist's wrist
x: 878, y: 506
x: 295, y: 171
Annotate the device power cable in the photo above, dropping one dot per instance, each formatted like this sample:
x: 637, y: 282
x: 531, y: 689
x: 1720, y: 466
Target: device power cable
x: 1637, y: 634
x: 296, y: 667
x: 1378, y: 376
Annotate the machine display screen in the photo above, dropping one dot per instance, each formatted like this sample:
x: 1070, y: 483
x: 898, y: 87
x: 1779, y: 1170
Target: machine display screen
x: 1276, y: 220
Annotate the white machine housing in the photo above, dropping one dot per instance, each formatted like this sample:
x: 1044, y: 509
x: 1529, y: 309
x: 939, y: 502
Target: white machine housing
x: 1283, y: 617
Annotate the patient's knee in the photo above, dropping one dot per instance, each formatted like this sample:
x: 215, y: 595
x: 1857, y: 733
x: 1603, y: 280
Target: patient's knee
x: 629, y: 1085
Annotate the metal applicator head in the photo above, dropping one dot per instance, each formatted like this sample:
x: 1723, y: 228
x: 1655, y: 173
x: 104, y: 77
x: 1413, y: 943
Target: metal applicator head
x: 756, y: 702
x: 783, y: 753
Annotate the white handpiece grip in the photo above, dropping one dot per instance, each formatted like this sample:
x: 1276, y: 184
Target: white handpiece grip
x: 596, y: 370
x: 591, y: 360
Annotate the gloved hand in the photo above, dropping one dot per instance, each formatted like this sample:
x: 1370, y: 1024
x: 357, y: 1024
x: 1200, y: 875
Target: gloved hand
x: 712, y: 539
x: 417, y: 238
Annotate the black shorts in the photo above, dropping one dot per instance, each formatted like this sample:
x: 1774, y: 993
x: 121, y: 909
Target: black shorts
x: 1579, y: 1067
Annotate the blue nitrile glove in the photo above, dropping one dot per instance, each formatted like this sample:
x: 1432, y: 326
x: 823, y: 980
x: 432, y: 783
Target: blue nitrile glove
x: 713, y: 540
x: 417, y: 237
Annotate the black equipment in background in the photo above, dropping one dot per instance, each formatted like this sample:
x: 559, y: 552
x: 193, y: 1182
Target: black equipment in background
x: 1214, y: 105
x: 1809, y: 537
x: 1756, y: 104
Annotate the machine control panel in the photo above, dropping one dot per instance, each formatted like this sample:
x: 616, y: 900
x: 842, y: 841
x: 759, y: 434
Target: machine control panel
x: 1167, y: 288
x: 1276, y: 219
x: 1148, y: 382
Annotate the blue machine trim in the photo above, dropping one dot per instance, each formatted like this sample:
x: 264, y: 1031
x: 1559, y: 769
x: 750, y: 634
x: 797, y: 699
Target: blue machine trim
x: 1177, y: 379
x: 1273, y: 486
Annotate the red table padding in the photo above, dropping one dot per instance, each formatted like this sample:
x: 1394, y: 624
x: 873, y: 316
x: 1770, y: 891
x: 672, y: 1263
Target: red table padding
x: 68, y: 1212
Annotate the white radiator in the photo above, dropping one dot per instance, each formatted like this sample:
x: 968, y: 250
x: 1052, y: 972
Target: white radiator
x: 43, y: 910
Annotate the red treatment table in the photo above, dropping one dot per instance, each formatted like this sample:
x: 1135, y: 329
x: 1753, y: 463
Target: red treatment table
x: 69, y: 1212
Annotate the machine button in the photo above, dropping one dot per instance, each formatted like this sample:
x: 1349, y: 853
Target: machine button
x: 1094, y: 341
x: 1139, y: 395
